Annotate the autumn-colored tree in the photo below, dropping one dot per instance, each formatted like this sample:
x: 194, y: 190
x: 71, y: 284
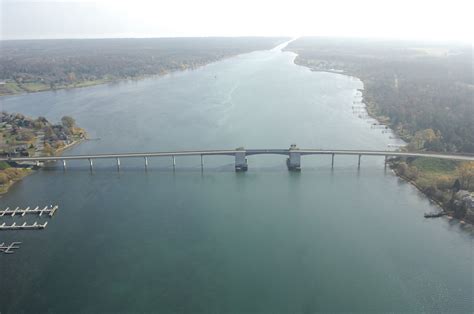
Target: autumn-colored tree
x: 48, y: 150
x: 466, y: 175
x: 402, y: 168
x: 71, y: 77
x: 444, y: 182
x: 3, y: 178
x: 423, y: 137
x: 412, y: 173
x: 12, y: 173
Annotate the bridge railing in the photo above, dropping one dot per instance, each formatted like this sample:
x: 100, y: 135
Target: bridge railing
x: 293, y: 161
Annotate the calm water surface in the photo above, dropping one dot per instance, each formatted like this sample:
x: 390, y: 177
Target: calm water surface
x: 218, y: 241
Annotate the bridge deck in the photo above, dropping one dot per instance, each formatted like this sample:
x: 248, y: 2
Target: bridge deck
x: 248, y: 152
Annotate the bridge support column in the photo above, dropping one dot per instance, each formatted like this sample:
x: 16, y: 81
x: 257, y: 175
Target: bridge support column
x: 332, y: 161
x: 358, y: 164
x: 294, y: 159
x: 202, y: 164
x: 91, y: 164
x: 240, y: 161
x: 386, y: 161
x: 64, y: 165
x: 118, y: 164
x: 174, y: 162
x: 146, y: 163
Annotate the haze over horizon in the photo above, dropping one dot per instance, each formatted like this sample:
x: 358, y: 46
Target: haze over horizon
x: 402, y: 19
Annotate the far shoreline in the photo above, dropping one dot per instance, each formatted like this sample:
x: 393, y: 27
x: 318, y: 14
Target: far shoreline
x: 103, y: 82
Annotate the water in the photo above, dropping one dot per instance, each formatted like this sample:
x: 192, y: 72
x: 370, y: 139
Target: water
x: 218, y: 241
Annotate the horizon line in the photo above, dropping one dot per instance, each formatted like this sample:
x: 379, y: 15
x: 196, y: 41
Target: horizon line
x: 428, y: 40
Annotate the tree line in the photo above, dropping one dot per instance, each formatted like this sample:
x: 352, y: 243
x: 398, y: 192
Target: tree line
x: 417, y: 85
x: 60, y: 63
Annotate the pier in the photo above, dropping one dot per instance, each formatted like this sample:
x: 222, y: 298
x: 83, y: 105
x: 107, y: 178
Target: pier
x: 434, y: 215
x: 9, y: 249
x: 294, y: 156
x: 47, y: 210
x: 24, y: 226
x: 50, y: 210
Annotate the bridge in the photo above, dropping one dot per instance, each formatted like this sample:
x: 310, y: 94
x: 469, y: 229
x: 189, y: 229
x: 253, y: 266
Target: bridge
x: 293, y: 154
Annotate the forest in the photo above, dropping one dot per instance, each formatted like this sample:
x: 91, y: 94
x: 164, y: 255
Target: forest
x: 416, y: 85
x: 35, y: 65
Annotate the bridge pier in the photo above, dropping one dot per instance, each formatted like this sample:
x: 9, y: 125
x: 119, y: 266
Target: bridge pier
x: 118, y: 164
x: 385, y: 163
x: 294, y: 159
x: 293, y: 162
x: 240, y: 161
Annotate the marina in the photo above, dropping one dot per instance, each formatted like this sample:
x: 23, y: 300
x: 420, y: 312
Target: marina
x: 47, y: 210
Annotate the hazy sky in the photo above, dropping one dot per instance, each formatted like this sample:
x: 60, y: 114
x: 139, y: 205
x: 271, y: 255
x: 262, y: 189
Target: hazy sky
x: 411, y: 19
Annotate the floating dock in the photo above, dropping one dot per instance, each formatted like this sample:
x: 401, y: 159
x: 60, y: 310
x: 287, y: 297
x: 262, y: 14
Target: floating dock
x: 50, y: 210
x: 435, y: 215
x: 24, y: 226
x: 9, y: 249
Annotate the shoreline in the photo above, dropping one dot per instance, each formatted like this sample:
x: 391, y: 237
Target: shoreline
x: 209, y: 54
x: 6, y: 187
x: 369, y: 107
x: 85, y: 84
x: 449, y: 214
x: 28, y: 171
x: 69, y: 146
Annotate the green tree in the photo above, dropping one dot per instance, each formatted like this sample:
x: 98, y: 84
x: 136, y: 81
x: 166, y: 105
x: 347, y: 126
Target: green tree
x: 68, y: 122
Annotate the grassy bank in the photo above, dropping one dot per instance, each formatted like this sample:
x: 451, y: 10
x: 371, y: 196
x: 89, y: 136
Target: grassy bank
x: 10, y: 175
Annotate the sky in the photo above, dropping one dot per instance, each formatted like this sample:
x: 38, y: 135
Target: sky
x: 401, y: 19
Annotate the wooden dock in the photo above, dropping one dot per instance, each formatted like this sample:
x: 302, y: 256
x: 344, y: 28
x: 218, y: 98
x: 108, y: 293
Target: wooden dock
x: 24, y: 226
x: 9, y: 249
x: 50, y: 210
x: 435, y: 215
